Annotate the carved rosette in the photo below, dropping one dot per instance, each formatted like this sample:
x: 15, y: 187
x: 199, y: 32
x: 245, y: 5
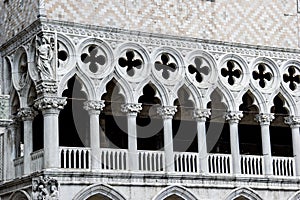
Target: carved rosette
x: 131, y: 108
x: 26, y: 114
x: 167, y: 112
x: 45, y: 103
x: 94, y: 106
x: 264, y: 118
x: 46, y: 88
x: 293, y: 121
x: 45, y: 188
x: 201, y: 114
x: 234, y: 116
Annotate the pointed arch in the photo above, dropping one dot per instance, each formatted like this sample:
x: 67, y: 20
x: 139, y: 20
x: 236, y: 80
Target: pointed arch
x: 19, y: 195
x: 295, y: 196
x: 102, y: 189
x: 175, y: 190
x: 194, y: 96
x: 243, y: 192
x: 84, y: 80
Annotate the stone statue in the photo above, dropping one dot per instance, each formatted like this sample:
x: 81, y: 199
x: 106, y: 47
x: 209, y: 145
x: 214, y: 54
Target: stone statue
x: 45, y: 188
x: 44, y: 59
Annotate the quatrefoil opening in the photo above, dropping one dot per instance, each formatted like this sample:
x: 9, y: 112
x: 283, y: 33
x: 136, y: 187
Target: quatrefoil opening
x: 292, y: 78
x: 262, y: 75
x: 93, y: 58
x: 165, y: 65
x: 130, y: 63
x: 232, y: 71
x: 199, y: 70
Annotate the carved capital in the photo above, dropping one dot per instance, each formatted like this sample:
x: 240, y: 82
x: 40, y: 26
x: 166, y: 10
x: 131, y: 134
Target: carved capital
x: 26, y: 114
x: 264, y: 118
x: 4, y: 107
x: 45, y: 188
x: 94, y: 106
x: 131, y: 108
x: 167, y: 112
x: 45, y: 103
x: 5, y: 122
x: 201, y: 114
x: 234, y: 116
x: 46, y: 88
x: 293, y: 121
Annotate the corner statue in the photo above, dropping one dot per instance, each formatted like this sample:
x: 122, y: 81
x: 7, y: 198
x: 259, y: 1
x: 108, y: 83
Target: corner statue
x: 44, y: 57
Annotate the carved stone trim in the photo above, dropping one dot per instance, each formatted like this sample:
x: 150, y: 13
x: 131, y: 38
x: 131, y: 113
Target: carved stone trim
x: 45, y: 188
x: 93, y: 105
x: 133, y: 108
x: 46, y: 88
x: 264, y: 118
x: 26, y: 114
x: 167, y: 112
x: 292, y: 121
x: 44, y: 103
x: 5, y: 122
x: 234, y: 116
x: 201, y: 114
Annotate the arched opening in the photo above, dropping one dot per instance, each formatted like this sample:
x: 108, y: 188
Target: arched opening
x: 74, y: 119
x: 280, y: 133
x: 7, y: 76
x: 249, y: 130
x: 184, y: 126
x: 174, y: 197
x: 149, y: 123
x: 18, y: 126
x: 98, y: 197
x: 218, y: 135
x: 241, y: 198
x: 113, y: 121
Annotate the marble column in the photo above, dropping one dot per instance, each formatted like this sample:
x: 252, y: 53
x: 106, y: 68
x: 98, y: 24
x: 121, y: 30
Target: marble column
x: 200, y: 115
x: 265, y: 119
x: 6, y: 152
x: 167, y: 113
x: 27, y: 115
x: 132, y: 109
x: 94, y: 108
x: 233, y: 118
x: 50, y: 107
x: 294, y: 122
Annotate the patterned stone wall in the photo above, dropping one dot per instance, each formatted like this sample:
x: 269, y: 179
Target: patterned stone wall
x: 259, y: 22
x: 15, y: 15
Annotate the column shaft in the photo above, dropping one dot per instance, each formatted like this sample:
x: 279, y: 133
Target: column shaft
x: 132, y: 142
x: 168, y: 145
x: 95, y: 140
x: 28, y: 148
x: 296, y: 147
x: 266, y: 148
x: 202, y: 147
x: 235, y: 148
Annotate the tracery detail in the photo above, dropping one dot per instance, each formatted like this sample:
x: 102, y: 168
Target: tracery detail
x: 199, y: 69
x: 165, y: 65
x: 292, y: 78
x: 93, y: 58
x: 130, y: 62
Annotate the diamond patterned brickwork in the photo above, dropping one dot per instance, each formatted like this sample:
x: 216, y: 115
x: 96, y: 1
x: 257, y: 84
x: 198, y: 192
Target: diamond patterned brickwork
x: 260, y: 22
x: 15, y: 15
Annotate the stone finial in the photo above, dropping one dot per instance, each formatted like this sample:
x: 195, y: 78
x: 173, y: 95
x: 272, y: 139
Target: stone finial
x: 26, y: 114
x: 93, y: 105
x: 131, y: 107
x: 201, y: 114
x: 234, y: 116
x: 44, y: 103
x: 293, y: 121
x: 264, y: 118
x: 45, y: 188
x: 167, y: 111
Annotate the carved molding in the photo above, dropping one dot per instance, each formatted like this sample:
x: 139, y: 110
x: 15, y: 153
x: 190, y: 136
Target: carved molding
x: 293, y: 121
x: 45, y: 188
x: 201, y: 114
x: 26, y: 114
x: 46, y: 88
x: 93, y: 105
x: 264, y: 118
x: 44, y: 103
x: 4, y: 107
x: 234, y: 116
x: 131, y: 108
x: 167, y: 111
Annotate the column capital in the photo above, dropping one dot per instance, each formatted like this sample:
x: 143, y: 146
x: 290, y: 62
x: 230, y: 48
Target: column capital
x: 131, y: 108
x: 264, y: 118
x: 46, y: 87
x: 94, y: 106
x: 26, y: 114
x: 167, y: 112
x: 292, y: 121
x: 201, y: 114
x: 233, y: 116
x: 49, y: 102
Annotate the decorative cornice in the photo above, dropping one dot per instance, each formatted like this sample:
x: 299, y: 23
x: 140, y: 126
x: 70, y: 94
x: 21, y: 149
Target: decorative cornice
x: 264, y: 118
x: 234, y: 116
x: 44, y: 103
x: 201, y: 114
x: 93, y: 105
x: 167, y: 112
x: 293, y: 121
x: 26, y: 114
x: 131, y: 108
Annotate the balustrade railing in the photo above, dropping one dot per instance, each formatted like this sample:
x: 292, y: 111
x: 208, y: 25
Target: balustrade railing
x: 186, y: 162
x: 252, y: 165
x: 114, y: 159
x: 151, y: 161
x: 37, y: 160
x: 19, y: 166
x: 75, y: 157
x: 283, y: 166
x: 219, y: 163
